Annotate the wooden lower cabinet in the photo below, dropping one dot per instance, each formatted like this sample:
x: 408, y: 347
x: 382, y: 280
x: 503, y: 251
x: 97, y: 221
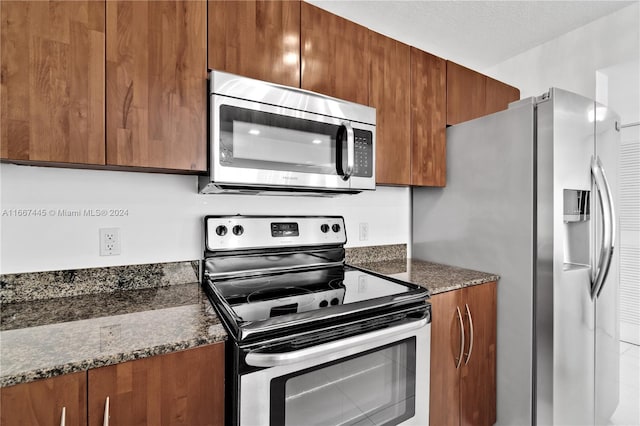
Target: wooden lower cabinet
x: 42, y: 402
x: 463, y: 374
x: 181, y: 388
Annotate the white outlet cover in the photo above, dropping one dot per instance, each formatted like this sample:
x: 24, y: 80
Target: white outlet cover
x: 109, y: 241
x: 364, y: 231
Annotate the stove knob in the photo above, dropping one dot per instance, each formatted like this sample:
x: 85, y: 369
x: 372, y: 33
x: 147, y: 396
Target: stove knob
x: 324, y: 228
x: 221, y: 230
x: 336, y: 227
x: 324, y: 304
x: 238, y: 230
x: 335, y: 301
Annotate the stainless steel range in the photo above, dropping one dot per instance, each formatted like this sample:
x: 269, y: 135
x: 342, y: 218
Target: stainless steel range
x: 314, y: 341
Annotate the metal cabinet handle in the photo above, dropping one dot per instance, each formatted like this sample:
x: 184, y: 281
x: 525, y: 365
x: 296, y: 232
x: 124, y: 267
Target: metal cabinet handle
x: 63, y: 417
x: 105, y: 420
x: 608, y: 227
x: 472, y: 333
x: 459, y: 358
x: 345, y: 129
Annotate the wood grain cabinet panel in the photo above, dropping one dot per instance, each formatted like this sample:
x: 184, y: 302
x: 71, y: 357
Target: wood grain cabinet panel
x: 256, y: 38
x: 390, y: 83
x: 466, y: 94
x: 428, y: 119
x: 444, y: 405
x: 464, y: 392
x: 40, y: 403
x: 52, y: 59
x: 478, y: 375
x: 499, y: 95
x: 335, y: 55
x: 157, y: 84
x: 181, y: 388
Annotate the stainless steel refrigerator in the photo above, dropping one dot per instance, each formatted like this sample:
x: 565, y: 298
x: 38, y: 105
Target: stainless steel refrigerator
x: 531, y: 195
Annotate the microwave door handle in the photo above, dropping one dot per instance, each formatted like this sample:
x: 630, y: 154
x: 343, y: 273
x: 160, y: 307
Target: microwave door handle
x: 345, y: 130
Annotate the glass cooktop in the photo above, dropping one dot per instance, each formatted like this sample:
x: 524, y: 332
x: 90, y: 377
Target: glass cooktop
x: 264, y: 297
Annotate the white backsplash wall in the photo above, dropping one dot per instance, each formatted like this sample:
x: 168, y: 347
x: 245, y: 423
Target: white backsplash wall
x: 570, y: 61
x: 163, y: 221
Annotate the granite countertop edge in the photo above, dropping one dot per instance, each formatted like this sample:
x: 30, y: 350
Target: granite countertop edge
x: 112, y: 359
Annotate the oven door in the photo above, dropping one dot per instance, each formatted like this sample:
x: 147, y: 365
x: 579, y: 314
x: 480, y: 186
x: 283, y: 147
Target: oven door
x: 262, y: 145
x: 377, y: 378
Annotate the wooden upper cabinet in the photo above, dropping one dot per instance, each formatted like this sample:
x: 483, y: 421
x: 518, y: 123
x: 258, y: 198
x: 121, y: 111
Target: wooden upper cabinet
x: 335, y: 55
x: 52, y: 81
x: 390, y: 83
x: 499, y: 95
x: 41, y: 402
x: 428, y: 119
x: 466, y: 94
x: 180, y: 388
x: 157, y: 84
x: 256, y: 38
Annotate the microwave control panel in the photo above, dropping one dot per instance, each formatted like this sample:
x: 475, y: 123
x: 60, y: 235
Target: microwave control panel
x: 363, y: 153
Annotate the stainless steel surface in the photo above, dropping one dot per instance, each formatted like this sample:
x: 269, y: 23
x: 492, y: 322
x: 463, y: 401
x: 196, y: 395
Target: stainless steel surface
x: 484, y: 220
x: 350, y: 152
x: 222, y: 83
x: 257, y: 232
x: 505, y: 203
x: 601, y: 270
x: 228, y: 89
x: 256, y: 410
x: 250, y: 272
x: 573, y: 310
x: 105, y: 416
x: 471, y: 334
x: 269, y: 359
x: 607, y: 323
x: 63, y: 416
x: 459, y: 357
x: 637, y: 123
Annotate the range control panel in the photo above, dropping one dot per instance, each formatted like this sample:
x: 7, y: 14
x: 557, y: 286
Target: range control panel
x: 249, y: 232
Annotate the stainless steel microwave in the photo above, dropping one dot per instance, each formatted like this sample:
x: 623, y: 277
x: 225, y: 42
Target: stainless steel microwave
x: 268, y: 137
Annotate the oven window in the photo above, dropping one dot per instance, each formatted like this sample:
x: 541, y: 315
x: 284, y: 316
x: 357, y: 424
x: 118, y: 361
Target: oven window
x: 261, y: 140
x: 373, y: 388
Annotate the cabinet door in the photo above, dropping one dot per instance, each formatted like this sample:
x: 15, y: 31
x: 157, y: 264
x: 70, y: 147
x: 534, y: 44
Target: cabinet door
x: 466, y: 94
x: 257, y: 39
x: 52, y: 81
x: 428, y: 119
x: 499, y: 95
x: 390, y: 84
x: 41, y: 402
x: 478, y: 375
x: 181, y: 388
x: 335, y: 55
x: 444, y: 405
x: 156, y: 84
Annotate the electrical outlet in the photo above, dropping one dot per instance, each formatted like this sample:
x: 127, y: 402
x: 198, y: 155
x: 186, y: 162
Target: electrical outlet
x: 109, y: 241
x: 364, y: 231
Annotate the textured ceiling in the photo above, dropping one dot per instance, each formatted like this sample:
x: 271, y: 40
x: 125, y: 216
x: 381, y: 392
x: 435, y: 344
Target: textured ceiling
x: 477, y: 34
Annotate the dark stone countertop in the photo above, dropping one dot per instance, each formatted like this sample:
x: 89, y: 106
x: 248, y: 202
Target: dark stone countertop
x: 436, y: 277
x: 47, y: 338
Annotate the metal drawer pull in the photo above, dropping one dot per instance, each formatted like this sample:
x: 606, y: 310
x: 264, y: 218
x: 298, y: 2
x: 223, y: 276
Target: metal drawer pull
x: 258, y: 359
x: 105, y: 421
x: 63, y: 417
x: 459, y: 358
x: 472, y: 333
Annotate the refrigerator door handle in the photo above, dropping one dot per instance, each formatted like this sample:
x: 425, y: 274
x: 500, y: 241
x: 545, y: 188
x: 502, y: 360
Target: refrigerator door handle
x: 461, y: 354
x: 608, y: 227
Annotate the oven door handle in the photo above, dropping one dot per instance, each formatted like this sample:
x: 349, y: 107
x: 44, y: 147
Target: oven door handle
x: 259, y: 359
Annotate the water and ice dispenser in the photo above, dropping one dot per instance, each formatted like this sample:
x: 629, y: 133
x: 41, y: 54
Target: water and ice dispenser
x: 576, y: 229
